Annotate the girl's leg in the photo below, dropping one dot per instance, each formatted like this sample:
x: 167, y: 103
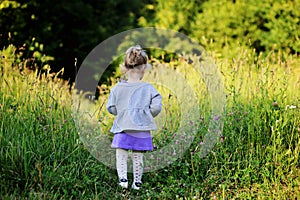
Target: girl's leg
x: 121, y: 162
x: 137, y: 161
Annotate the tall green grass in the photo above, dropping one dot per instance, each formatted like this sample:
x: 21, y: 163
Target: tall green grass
x: 42, y: 156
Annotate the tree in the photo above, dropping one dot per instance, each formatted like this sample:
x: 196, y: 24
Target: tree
x: 266, y: 25
x: 65, y: 29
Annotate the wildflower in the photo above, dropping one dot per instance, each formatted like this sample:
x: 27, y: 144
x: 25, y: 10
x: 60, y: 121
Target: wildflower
x: 201, y: 143
x: 151, y: 156
x: 216, y: 118
x: 275, y: 104
x: 222, y: 138
x: 154, y: 147
x: 293, y: 107
x: 174, y: 153
x: 147, y: 168
x: 231, y: 113
x: 290, y: 106
x: 160, y: 151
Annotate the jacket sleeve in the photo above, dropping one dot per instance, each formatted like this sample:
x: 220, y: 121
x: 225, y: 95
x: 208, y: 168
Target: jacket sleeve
x: 155, y: 105
x: 111, y: 104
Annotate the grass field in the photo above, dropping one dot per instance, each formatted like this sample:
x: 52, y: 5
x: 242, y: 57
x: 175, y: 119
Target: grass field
x: 43, y: 157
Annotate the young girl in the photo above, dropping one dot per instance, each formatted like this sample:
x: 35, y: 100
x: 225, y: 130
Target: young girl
x: 135, y: 104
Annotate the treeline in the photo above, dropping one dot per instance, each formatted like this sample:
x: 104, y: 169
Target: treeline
x: 65, y: 30
x: 265, y: 25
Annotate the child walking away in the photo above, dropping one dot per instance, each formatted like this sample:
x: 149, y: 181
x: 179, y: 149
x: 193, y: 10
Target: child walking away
x: 135, y: 104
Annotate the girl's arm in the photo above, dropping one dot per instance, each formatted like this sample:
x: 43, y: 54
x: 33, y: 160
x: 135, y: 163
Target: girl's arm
x: 155, y: 105
x: 111, y: 106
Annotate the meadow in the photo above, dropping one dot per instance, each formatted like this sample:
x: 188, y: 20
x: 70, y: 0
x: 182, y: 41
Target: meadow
x: 257, y: 157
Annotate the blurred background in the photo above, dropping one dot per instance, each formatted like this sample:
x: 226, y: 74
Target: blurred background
x: 57, y: 33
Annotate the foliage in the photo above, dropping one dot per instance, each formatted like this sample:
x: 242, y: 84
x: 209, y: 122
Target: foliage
x: 263, y: 25
x: 69, y: 30
x: 66, y: 29
x: 174, y: 15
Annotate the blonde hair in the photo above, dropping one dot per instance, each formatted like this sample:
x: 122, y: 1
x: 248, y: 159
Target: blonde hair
x: 135, y: 56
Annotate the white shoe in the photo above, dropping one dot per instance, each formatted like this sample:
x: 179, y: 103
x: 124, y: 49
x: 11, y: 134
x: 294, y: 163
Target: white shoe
x: 136, y: 186
x: 123, y: 183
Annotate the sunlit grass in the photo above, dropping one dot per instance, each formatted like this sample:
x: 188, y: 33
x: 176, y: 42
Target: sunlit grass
x: 43, y: 156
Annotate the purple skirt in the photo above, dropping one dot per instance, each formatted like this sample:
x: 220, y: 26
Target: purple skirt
x: 140, y: 141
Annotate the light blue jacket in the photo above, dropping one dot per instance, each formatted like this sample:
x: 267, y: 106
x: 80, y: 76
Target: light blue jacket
x: 135, y: 105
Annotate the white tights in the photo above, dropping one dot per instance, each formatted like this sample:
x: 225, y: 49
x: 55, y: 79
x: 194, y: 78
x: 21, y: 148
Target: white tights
x: 121, y: 163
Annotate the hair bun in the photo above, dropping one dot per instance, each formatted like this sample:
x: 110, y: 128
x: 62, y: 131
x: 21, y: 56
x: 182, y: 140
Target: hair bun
x: 135, y: 56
